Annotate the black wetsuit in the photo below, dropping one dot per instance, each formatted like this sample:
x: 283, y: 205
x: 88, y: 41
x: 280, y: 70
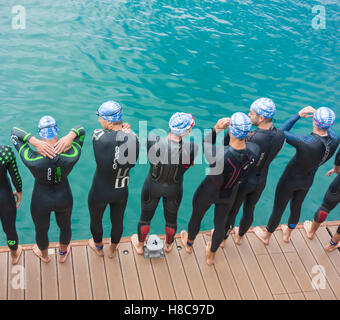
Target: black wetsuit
x: 51, y: 191
x: 169, y: 161
x: 332, y: 196
x: 311, y: 152
x: 251, y: 187
x: 116, y: 153
x: 8, y: 211
x: 220, y: 188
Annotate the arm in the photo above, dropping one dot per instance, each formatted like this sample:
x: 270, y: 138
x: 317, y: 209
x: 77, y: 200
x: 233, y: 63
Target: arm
x: 13, y: 169
x: 290, y: 123
x: 74, y: 139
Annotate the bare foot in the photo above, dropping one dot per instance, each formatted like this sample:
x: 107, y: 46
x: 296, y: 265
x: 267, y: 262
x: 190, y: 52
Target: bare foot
x: 112, y: 250
x: 168, y: 247
x: 15, y: 255
x: 307, y: 225
x: 184, y: 239
x: 286, y: 233
x: 139, y: 246
x: 238, y: 238
x: 330, y: 248
x: 92, y: 245
x: 262, y: 235
x: 38, y: 253
x: 210, y: 255
x: 63, y: 257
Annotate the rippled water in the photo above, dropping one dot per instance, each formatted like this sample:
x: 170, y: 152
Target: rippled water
x: 209, y: 58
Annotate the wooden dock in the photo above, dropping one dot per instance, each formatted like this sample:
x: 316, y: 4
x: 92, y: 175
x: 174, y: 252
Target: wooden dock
x: 251, y: 271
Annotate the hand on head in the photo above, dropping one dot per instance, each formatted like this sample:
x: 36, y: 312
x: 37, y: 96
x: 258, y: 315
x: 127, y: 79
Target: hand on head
x: 65, y: 143
x: 336, y: 170
x: 222, y: 124
x: 307, y: 112
x: 126, y: 127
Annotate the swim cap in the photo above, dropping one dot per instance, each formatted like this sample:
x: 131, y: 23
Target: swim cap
x: 240, y: 125
x: 110, y: 111
x: 324, y: 118
x: 264, y: 107
x: 181, y: 122
x: 48, y: 128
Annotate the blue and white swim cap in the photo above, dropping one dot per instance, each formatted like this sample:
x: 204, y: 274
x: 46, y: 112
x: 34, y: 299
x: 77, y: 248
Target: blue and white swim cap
x: 240, y: 125
x: 264, y: 107
x: 181, y: 122
x: 324, y: 118
x: 110, y: 111
x: 48, y: 128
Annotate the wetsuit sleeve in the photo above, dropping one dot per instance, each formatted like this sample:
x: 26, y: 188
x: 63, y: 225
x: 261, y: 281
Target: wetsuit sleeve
x: 79, y: 139
x: 133, y: 144
x: 13, y: 169
x: 337, y: 158
x: 226, y: 139
x: 20, y: 140
x: 295, y: 140
x: 193, y: 152
x: 209, y: 142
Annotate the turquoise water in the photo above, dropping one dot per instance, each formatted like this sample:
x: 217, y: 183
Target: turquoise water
x: 209, y: 58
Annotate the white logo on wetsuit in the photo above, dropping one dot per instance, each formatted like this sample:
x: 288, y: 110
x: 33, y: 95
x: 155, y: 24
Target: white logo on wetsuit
x: 49, y: 173
x: 249, y: 164
x: 124, y: 178
x: 115, y: 160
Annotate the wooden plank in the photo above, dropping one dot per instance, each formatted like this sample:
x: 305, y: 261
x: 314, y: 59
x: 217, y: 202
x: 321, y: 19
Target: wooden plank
x: 270, y: 274
x: 260, y: 248
x: 16, y: 279
x: 193, y: 274
x: 32, y: 276
x: 146, y: 277
x: 285, y: 247
x: 3, y: 275
x: 312, y: 295
x: 285, y: 273
x: 333, y: 229
x: 283, y: 296
x: 240, y: 274
x: 179, y: 279
x: 296, y: 296
x: 129, y: 271
x: 255, y: 274
x: 66, y: 279
x: 309, y: 262
x: 114, y: 276
x: 299, y: 271
x: 163, y: 279
x: 225, y: 275
x: 49, y: 280
x: 322, y: 259
x: 98, y: 276
x: 81, y: 273
x: 334, y: 256
x: 209, y: 275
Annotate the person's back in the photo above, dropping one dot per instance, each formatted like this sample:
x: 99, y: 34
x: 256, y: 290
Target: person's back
x: 51, y: 192
x: 116, y: 151
x: 8, y: 205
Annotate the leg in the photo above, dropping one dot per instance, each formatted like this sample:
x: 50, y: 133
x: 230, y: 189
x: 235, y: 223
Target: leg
x: 295, y: 212
x: 220, y: 217
x: 334, y: 242
x: 41, y: 221
x: 117, y: 210
x: 171, y: 206
x: 97, y: 210
x: 63, y: 219
x: 8, y: 217
x: 283, y: 194
x: 149, y: 205
x: 330, y: 201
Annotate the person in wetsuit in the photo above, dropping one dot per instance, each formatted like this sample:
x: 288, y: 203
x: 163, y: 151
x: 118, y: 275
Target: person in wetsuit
x: 330, y: 201
x: 270, y: 140
x: 9, y: 200
x: 116, y: 151
x: 228, y: 164
x: 311, y: 152
x: 170, y: 157
x: 50, y: 165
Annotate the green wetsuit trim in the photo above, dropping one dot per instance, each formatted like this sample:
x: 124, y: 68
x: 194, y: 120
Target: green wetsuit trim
x: 29, y: 159
x: 71, y: 155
